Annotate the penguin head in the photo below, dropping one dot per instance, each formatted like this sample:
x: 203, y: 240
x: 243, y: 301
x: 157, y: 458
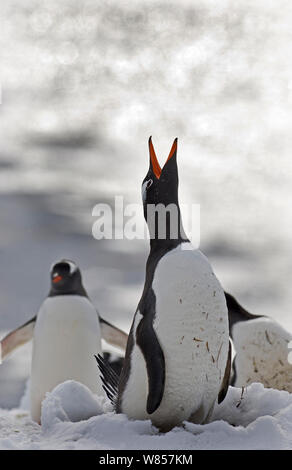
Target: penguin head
x: 66, y: 279
x: 160, y: 185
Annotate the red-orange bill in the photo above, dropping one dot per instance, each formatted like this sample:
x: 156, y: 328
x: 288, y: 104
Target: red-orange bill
x: 154, y: 162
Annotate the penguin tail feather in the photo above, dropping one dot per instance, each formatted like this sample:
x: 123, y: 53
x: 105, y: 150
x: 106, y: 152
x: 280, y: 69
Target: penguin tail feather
x: 110, y: 380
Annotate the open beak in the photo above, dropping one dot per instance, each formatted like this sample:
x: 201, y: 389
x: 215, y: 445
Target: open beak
x: 153, y: 159
x: 57, y: 279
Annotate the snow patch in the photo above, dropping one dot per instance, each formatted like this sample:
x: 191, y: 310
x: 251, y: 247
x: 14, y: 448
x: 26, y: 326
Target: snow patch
x: 74, y: 418
x: 71, y: 401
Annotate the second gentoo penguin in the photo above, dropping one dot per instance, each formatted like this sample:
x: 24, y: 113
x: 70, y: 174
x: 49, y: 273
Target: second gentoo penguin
x: 261, y: 346
x: 178, y: 359
x: 66, y: 335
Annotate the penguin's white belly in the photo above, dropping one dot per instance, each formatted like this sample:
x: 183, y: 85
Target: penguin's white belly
x: 66, y: 337
x: 262, y: 354
x: 191, y: 325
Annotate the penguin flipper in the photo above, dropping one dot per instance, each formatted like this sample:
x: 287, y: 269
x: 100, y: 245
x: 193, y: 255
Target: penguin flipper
x: 17, y: 338
x: 113, y: 335
x: 109, y: 378
x: 155, y: 363
x: 226, y: 378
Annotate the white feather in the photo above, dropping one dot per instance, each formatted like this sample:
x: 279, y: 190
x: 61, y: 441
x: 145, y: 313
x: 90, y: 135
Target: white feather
x: 262, y: 354
x: 72, y: 267
x: 135, y: 395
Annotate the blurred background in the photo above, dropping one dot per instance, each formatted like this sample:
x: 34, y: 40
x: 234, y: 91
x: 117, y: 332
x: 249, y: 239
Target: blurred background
x: 84, y: 84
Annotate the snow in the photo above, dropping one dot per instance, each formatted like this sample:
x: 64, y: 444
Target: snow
x: 74, y: 418
x: 70, y: 401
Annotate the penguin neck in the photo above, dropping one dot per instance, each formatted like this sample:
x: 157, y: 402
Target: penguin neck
x: 69, y: 291
x: 165, y: 229
x: 163, y: 246
x: 159, y: 248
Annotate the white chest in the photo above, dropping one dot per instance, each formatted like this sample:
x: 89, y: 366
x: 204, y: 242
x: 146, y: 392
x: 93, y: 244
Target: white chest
x: 192, y: 328
x: 262, y: 354
x: 66, y: 337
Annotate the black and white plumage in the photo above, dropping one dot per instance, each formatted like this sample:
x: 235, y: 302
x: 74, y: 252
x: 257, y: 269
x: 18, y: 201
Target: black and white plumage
x: 109, y: 378
x: 261, y: 346
x: 115, y: 361
x: 177, y: 361
x: 66, y: 335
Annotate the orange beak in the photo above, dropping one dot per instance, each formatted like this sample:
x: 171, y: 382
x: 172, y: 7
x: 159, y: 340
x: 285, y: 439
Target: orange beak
x: 154, y: 162
x: 57, y: 279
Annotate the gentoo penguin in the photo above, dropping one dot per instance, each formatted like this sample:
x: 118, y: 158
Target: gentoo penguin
x: 66, y: 335
x: 261, y: 346
x: 178, y: 359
